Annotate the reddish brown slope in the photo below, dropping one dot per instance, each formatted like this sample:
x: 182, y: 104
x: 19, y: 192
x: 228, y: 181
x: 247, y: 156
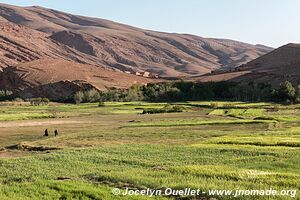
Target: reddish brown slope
x: 275, y: 67
x: 132, y: 49
x: 57, y: 78
x: 284, y: 61
x: 19, y: 44
x: 33, y: 64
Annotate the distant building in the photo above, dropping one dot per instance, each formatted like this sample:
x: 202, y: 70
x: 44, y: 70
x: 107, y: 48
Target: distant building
x: 146, y: 74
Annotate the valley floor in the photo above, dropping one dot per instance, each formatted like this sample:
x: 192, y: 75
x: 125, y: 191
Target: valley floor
x: 211, y: 145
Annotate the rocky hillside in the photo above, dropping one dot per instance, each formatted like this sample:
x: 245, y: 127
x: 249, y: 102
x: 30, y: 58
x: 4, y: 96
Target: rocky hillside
x: 106, y: 43
x: 275, y: 67
x: 60, y: 79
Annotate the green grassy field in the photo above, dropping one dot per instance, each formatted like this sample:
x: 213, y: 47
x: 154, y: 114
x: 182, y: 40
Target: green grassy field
x: 211, y: 145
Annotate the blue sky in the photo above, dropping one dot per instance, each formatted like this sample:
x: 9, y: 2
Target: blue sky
x: 269, y: 22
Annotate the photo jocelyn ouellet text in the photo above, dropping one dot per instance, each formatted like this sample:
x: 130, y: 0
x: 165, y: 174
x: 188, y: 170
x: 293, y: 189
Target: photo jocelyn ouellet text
x: 197, y: 192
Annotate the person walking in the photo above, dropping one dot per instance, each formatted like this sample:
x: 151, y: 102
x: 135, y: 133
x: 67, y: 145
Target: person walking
x: 46, y: 134
x: 56, y: 132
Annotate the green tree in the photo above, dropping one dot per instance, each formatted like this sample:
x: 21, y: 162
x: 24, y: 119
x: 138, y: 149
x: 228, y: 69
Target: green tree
x: 134, y: 93
x: 45, y: 101
x: 286, y: 91
x: 78, y: 97
x: 91, y: 96
x: 297, y: 94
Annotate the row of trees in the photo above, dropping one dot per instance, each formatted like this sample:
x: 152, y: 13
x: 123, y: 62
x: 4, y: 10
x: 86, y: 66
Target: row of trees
x: 39, y: 101
x: 189, y: 91
x: 184, y: 91
x: 7, y: 95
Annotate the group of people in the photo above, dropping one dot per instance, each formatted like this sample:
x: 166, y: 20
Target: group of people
x: 46, y: 134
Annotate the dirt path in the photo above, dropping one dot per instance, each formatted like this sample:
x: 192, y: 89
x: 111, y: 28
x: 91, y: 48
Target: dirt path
x: 8, y: 154
x: 37, y: 123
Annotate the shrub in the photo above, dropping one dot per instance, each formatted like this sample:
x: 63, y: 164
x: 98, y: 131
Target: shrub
x: 5, y: 95
x: 101, y: 104
x: 18, y: 100
x: 214, y: 105
x: 39, y: 101
x: 78, y: 97
x: 91, y: 96
x: 166, y: 109
x: 178, y: 108
x: 45, y: 101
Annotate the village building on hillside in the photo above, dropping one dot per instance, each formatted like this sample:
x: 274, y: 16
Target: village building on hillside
x: 146, y: 74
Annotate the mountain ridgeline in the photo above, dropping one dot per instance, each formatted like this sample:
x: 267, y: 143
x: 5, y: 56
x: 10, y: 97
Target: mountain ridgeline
x: 126, y: 48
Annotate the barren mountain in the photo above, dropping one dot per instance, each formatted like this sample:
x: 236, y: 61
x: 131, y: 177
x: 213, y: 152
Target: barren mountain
x: 105, y: 43
x: 275, y: 67
x: 284, y: 60
x: 21, y: 44
x: 58, y: 79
